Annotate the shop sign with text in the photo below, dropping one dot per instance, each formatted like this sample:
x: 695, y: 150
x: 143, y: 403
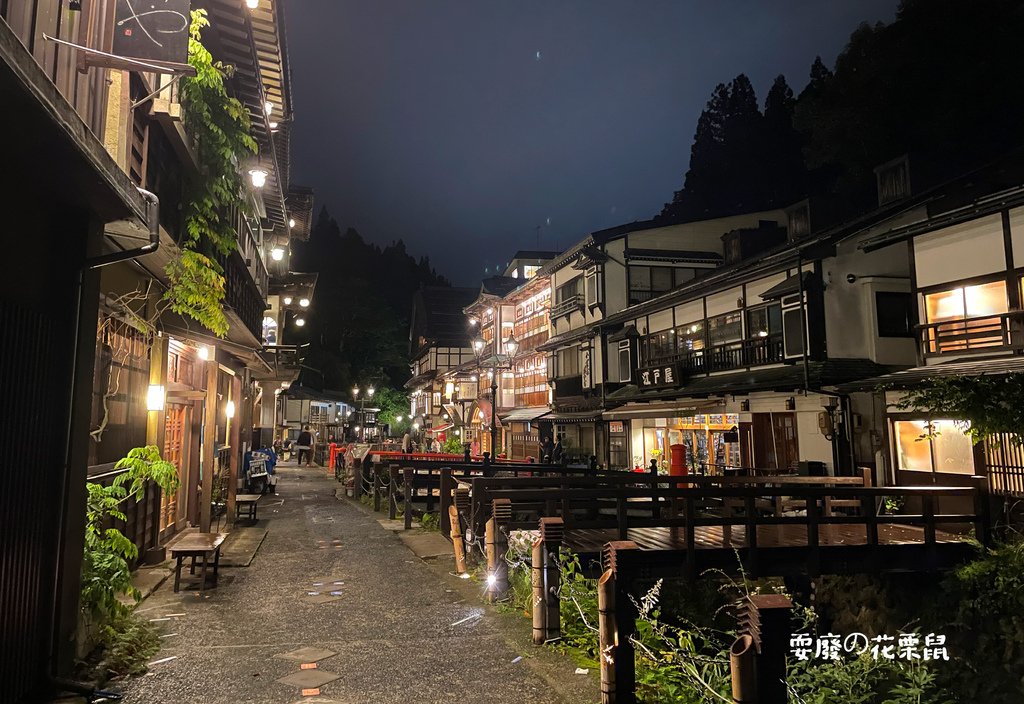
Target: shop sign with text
x: 662, y: 376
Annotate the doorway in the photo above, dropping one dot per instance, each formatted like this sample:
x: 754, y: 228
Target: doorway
x: 774, y: 441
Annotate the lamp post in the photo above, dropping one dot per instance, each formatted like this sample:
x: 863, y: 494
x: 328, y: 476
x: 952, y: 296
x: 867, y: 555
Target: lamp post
x: 496, y: 362
x: 362, y: 410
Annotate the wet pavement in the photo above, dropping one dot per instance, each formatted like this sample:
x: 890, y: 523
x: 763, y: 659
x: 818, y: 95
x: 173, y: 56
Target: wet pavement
x: 335, y: 602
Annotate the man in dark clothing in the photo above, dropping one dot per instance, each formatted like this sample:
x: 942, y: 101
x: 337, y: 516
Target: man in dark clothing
x: 557, y: 452
x: 546, y: 448
x: 305, y: 445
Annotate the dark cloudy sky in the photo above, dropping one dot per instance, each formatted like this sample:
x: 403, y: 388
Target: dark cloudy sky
x: 459, y: 126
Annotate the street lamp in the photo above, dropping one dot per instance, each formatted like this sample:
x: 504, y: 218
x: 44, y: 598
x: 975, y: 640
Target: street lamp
x: 497, y: 361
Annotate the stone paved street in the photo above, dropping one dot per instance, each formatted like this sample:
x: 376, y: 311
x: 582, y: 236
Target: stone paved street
x: 387, y: 638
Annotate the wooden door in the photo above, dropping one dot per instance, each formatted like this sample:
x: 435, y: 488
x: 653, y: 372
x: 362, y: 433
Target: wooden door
x: 774, y: 441
x: 176, y: 434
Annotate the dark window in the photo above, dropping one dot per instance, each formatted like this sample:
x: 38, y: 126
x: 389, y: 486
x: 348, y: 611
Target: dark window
x: 625, y: 372
x: 895, y: 313
x: 567, y: 291
x: 765, y: 321
x: 893, y: 181
x: 725, y: 328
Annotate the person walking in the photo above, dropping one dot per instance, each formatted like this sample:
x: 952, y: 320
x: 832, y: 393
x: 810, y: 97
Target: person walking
x: 304, y: 444
x: 546, y: 449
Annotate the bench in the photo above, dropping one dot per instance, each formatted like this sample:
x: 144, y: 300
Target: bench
x: 249, y: 503
x: 195, y: 545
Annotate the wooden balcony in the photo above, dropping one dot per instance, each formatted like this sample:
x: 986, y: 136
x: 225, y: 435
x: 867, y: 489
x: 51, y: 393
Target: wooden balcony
x: 988, y: 333
x: 731, y: 355
x: 569, y: 305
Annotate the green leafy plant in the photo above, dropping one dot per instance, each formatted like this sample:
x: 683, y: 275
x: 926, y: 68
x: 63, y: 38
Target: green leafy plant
x: 220, y: 126
x: 106, y: 567
x: 452, y: 446
x: 982, y: 406
x: 125, y: 645
x: 430, y: 521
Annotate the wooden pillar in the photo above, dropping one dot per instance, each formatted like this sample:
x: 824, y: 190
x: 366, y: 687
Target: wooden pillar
x: 982, y: 511
x: 209, y: 441
x: 491, y: 551
x: 392, y: 494
x: 540, y: 606
x: 502, y: 516
x: 768, y: 622
x: 622, y: 679
x: 606, y: 635
x: 407, y: 496
x: 235, y: 441
x: 552, y: 532
x: 377, y: 485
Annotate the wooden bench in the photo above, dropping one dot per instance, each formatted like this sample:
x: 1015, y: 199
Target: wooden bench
x: 195, y: 545
x: 249, y: 503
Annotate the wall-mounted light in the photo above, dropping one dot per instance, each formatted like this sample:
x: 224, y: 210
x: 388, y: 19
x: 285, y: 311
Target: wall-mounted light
x: 155, y: 398
x: 472, y: 321
x: 458, y: 432
x: 268, y: 107
x: 229, y: 409
x: 273, y: 125
x: 204, y: 353
x: 745, y: 406
x: 304, y: 302
x: 287, y: 300
x: 291, y: 222
x: 790, y: 404
x: 277, y: 254
x: 252, y: 4
x: 258, y: 177
x: 300, y: 321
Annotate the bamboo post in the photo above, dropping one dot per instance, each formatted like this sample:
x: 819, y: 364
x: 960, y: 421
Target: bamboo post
x: 456, y: 535
x: 540, y: 606
x: 742, y: 667
x: 447, y: 486
x: 492, y: 560
x: 407, y: 496
x: 606, y: 635
x: 552, y: 531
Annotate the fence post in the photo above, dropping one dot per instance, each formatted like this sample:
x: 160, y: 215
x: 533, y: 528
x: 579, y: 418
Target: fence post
x: 552, y: 531
x: 766, y: 619
x: 447, y: 484
x: 982, y: 509
x: 376, y: 486
x: 606, y: 635
x: 392, y: 494
x: 502, y: 516
x: 407, y: 496
x: 540, y: 606
x: 617, y: 651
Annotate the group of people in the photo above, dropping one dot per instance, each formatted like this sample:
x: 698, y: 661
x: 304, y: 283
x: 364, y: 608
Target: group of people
x: 552, y: 452
x: 429, y: 445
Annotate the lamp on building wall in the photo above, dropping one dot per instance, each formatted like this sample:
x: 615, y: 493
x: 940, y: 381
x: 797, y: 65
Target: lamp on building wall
x: 203, y: 352
x: 291, y: 222
x: 300, y: 322
x: 304, y: 302
x: 790, y: 404
x: 277, y: 254
x: 229, y: 409
x: 287, y: 300
x: 258, y: 177
x: 268, y: 107
x: 252, y: 4
x: 155, y: 396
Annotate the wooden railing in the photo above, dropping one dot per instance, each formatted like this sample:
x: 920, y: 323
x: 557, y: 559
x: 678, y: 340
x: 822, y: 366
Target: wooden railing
x: 570, y: 304
x: 731, y: 355
x: 969, y: 334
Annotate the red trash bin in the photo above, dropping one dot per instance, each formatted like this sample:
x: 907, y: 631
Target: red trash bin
x: 677, y: 465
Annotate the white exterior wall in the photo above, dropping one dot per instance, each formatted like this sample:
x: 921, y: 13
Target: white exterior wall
x: 1017, y: 236
x: 973, y: 248
x: 616, y: 281
x: 704, y: 236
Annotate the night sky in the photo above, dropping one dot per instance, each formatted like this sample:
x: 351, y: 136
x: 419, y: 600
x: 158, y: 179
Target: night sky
x: 460, y: 126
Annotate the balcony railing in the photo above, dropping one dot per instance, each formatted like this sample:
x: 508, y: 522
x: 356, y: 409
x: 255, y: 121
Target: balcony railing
x: 573, y: 303
x: 1002, y: 331
x: 642, y: 295
x: 242, y: 293
x: 731, y: 355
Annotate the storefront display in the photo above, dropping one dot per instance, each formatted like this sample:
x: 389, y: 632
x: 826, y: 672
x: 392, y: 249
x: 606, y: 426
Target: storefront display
x: 710, y: 440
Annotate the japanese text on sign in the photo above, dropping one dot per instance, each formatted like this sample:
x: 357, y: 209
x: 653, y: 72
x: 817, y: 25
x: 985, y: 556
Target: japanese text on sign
x: 905, y: 646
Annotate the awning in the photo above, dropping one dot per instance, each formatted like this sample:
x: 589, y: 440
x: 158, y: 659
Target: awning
x: 681, y: 408
x: 624, y: 334
x: 524, y: 415
x: 788, y: 287
x: 441, y: 429
x: 909, y: 378
x: 579, y: 417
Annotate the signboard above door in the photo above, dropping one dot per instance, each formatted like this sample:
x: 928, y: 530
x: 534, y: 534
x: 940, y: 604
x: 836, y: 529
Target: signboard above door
x: 662, y: 376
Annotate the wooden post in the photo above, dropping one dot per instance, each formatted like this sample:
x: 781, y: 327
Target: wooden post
x: 456, y: 535
x: 209, y: 441
x: 235, y: 441
x: 447, y: 485
x: 769, y: 618
x: 502, y: 512
x: 606, y: 635
x: 407, y: 495
x: 540, y: 606
x: 982, y: 511
x: 155, y: 431
x: 392, y: 494
x: 742, y: 667
x: 623, y: 677
x: 378, y: 485
x: 552, y: 531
